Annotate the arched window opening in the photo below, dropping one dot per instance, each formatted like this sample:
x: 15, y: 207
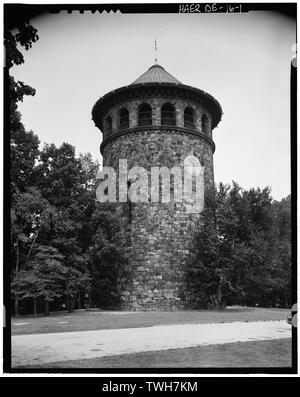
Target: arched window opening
x: 204, y: 124
x: 168, y: 114
x: 189, y: 118
x: 123, y: 118
x: 145, y: 114
x: 108, y: 124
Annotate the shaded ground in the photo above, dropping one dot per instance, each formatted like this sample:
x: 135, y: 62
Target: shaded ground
x: 97, y: 320
x: 274, y: 353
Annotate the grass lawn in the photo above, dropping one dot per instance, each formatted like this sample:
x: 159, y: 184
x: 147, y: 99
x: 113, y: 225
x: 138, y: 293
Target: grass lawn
x: 272, y: 353
x: 82, y: 320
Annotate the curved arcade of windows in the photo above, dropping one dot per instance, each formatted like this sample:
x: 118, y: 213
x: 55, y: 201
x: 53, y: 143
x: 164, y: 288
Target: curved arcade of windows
x: 168, y: 117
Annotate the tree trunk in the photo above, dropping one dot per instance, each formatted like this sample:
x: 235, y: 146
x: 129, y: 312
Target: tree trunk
x: 79, y: 301
x: 17, y: 312
x: 286, y: 299
x: 68, y: 303
x: 30, y: 249
x: 72, y: 303
x: 219, y: 298
x: 46, y: 308
x: 35, y: 306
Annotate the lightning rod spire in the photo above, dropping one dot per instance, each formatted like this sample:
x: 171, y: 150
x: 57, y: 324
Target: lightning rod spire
x: 155, y: 51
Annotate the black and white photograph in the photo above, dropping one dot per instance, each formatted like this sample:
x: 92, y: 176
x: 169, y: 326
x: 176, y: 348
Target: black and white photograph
x: 150, y: 189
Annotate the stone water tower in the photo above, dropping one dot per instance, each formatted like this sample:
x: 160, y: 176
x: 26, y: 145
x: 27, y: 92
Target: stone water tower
x: 158, y: 121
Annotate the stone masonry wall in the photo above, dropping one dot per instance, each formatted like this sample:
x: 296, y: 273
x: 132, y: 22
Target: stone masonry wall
x: 161, y: 234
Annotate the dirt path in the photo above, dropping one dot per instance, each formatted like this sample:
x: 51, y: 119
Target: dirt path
x: 46, y: 348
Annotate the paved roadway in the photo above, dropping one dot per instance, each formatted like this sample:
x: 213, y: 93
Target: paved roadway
x: 46, y: 348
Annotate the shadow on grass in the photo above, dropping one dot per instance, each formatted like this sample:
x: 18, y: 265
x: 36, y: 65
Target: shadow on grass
x: 272, y: 353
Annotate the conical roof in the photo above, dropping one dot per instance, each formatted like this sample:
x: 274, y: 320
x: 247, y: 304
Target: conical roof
x: 156, y: 74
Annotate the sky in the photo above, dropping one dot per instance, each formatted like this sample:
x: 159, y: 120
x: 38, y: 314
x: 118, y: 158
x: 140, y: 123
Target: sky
x: 243, y: 60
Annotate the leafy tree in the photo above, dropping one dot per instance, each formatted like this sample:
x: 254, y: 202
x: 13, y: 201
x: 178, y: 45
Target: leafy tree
x: 52, y: 201
x: 58, y: 175
x: 44, y: 278
x: 68, y: 183
x: 242, y: 256
x: 108, y: 255
x: 30, y: 214
x: 25, y: 35
x: 24, y: 145
x: 23, y: 155
x: 76, y: 282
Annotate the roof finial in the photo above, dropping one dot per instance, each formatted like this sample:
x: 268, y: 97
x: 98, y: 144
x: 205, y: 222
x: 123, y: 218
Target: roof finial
x: 155, y: 52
